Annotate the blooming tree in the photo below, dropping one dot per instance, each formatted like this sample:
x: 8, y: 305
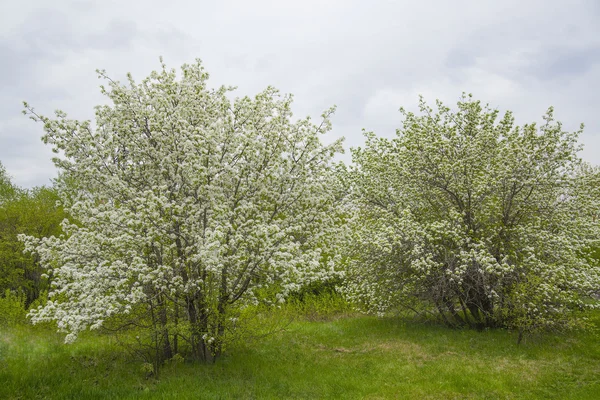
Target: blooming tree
x: 184, y: 203
x: 473, y: 219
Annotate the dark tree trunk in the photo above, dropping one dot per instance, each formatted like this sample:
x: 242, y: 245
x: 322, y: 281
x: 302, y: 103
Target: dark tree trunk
x: 450, y: 306
x: 163, y: 319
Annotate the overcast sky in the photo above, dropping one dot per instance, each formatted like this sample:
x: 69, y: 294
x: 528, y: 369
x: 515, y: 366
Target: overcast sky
x: 367, y: 57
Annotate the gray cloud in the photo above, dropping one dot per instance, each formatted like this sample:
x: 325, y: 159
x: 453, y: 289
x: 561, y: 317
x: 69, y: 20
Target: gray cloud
x: 566, y: 63
x: 369, y: 58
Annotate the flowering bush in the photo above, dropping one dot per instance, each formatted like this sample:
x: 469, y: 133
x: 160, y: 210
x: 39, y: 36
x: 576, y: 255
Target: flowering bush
x: 475, y: 220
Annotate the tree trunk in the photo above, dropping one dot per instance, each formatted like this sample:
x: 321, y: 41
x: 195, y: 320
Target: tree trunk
x: 450, y: 306
x: 176, y: 321
x: 163, y: 319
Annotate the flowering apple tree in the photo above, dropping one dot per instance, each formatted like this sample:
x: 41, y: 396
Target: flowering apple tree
x: 184, y: 203
x: 472, y: 219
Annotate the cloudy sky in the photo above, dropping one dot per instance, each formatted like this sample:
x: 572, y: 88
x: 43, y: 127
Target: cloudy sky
x: 367, y: 57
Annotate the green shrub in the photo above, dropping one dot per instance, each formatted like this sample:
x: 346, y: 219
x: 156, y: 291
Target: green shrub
x: 12, y: 308
x: 318, y: 300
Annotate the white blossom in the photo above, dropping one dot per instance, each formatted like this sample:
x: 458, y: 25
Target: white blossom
x: 181, y: 195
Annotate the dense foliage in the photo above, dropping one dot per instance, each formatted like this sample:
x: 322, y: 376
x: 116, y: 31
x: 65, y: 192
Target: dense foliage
x: 33, y: 212
x: 467, y: 216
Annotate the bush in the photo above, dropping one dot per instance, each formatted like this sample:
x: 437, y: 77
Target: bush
x: 12, y: 309
x: 482, y: 222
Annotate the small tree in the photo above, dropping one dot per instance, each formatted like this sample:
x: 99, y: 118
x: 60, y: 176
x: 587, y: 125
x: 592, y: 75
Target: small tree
x: 468, y: 217
x: 185, y: 203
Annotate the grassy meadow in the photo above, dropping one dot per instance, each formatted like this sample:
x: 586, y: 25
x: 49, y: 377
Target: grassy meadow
x: 331, y: 357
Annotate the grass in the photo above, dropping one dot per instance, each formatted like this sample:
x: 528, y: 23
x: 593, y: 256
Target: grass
x: 353, y: 357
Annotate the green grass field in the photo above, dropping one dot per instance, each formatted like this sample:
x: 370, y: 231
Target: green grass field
x: 352, y: 357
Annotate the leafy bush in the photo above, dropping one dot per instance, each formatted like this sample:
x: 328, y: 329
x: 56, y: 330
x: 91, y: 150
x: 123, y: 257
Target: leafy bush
x: 12, y: 308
